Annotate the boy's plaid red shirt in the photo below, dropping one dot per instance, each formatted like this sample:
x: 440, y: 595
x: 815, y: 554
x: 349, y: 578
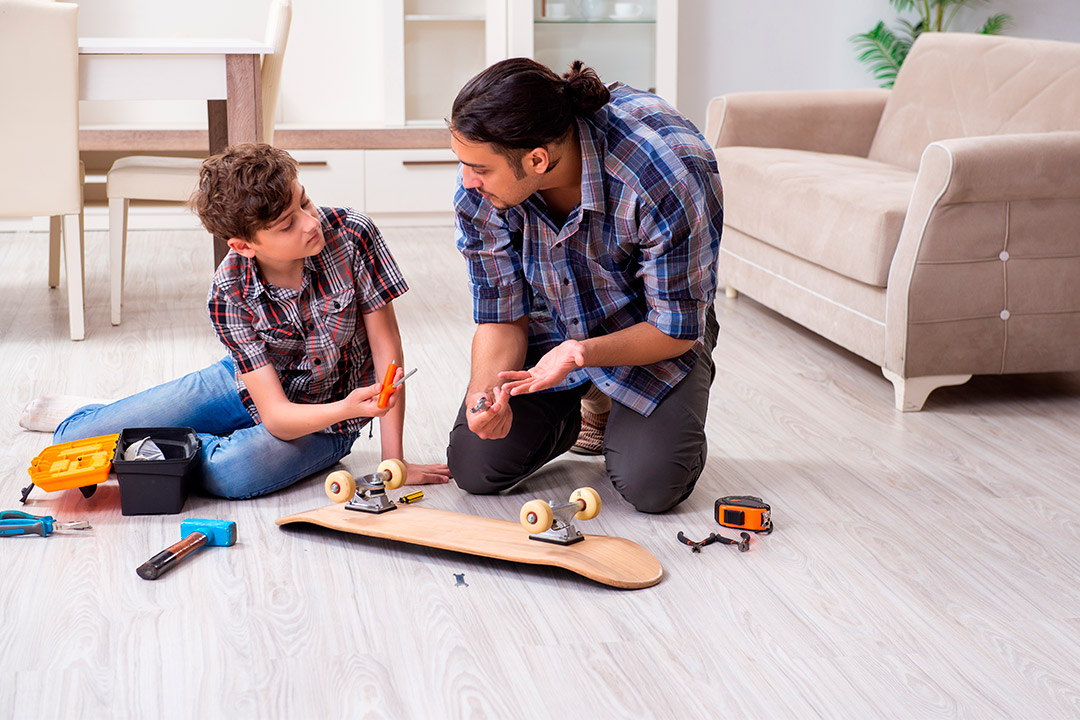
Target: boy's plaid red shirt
x: 314, y: 336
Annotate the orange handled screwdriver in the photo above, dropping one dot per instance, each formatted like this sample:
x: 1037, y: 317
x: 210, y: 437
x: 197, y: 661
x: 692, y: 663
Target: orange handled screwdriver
x: 387, y: 385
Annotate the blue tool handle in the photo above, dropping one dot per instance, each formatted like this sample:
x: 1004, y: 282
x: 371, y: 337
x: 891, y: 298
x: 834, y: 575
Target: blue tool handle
x: 17, y: 515
x: 23, y: 527
x: 16, y: 518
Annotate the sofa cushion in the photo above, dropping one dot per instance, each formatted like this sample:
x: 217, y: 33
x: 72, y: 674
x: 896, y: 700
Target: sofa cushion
x: 956, y: 85
x: 842, y: 212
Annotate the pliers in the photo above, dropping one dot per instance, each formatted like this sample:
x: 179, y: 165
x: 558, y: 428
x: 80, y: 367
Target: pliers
x: 15, y: 522
x: 743, y: 544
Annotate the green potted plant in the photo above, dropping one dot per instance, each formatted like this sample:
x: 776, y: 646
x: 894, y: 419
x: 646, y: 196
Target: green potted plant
x: 884, y: 49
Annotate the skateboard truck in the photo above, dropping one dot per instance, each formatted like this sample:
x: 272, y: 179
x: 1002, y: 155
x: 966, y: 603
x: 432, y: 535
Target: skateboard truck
x: 368, y: 493
x: 555, y: 523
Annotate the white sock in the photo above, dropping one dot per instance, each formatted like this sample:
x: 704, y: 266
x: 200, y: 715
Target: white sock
x: 45, y: 412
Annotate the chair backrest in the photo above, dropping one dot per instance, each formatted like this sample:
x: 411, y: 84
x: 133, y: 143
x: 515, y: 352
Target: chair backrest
x: 39, y: 125
x: 277, y: 37
x: 964, y: 85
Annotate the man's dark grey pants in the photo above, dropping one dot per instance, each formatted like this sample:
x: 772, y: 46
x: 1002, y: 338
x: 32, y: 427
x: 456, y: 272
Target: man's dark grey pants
x: 654, y: 462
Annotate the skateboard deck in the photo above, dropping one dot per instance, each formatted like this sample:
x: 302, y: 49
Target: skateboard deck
x: 609, y: 560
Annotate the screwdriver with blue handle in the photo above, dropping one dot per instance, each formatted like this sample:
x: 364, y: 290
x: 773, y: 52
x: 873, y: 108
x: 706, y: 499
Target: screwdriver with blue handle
x: 15, y: 522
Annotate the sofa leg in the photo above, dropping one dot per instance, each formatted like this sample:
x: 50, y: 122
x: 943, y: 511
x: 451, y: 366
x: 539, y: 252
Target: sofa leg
x: 730, y: 292
x: 911, y: 393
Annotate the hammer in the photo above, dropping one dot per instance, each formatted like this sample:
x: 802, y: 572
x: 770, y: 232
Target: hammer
x: 195, y: 533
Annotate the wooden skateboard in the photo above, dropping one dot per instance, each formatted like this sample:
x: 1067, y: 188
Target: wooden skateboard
x: 363, y: 509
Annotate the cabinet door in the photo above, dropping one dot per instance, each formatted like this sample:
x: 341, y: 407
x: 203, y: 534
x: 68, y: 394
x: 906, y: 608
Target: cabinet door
x: 433, y: 47
x: 410, y: 181
x: 332, y: 177
x: 631, y: 41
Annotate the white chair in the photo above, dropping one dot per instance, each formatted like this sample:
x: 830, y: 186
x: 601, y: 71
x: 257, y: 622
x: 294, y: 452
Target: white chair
x: 40, y: 172
x: 147, y: 177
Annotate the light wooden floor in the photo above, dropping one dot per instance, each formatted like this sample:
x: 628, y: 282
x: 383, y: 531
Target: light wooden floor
x: 924, y: 565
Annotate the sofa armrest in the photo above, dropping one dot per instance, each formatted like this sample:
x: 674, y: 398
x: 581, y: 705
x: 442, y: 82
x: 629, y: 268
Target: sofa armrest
x: 1028, y: 166
x: 987, y: 252
x: 832, y: 121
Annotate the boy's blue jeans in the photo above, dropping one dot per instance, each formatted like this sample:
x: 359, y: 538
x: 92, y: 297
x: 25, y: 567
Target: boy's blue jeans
x: 239, y: 458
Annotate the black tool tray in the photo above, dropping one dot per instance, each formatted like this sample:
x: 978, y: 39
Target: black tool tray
x: 156, y: 487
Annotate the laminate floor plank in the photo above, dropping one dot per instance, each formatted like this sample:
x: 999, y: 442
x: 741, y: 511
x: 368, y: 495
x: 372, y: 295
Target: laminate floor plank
x: 924, y: 565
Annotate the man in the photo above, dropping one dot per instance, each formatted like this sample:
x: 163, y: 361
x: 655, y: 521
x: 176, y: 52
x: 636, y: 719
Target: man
x: 590, y: 220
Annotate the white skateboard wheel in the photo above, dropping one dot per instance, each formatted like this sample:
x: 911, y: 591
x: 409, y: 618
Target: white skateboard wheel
x: 340, y: 486
x: 590, y: 498
x: 536, y: 516
x: 397, y: 471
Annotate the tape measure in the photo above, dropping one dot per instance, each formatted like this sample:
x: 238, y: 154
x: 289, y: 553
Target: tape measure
x: 744, y: 512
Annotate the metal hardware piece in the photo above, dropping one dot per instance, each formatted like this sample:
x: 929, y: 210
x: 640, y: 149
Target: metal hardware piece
x: 404, y: 377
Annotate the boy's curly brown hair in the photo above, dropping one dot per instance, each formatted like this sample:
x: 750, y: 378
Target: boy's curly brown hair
x: 244, y: 189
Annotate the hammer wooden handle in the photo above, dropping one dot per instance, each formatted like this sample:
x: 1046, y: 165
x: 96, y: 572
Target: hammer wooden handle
x: 156, y: 566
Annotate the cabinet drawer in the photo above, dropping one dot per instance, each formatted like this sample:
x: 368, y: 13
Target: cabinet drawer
x: 333, y: 177
x: 403, y: 181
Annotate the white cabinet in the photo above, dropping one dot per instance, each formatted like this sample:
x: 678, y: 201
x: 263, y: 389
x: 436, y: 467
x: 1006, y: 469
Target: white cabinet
x: 381, y: 183
x: 408, y: 181
x: 333, y: 177
x: 433, y: 47
x: 632, y: 41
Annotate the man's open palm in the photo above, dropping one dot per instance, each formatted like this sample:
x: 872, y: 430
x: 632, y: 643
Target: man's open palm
x: 549, y: 372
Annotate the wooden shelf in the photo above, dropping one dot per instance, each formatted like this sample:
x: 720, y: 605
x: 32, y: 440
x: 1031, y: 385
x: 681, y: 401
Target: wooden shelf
x: 445, y: 18
x: 149, y: 141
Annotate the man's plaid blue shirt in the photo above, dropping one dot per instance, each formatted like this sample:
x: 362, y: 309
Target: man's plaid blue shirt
x: 641, y: 247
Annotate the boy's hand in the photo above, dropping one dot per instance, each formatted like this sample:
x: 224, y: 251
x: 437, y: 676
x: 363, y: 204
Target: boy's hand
x: 549, y: 372
x: 364, y: 402
x: 492, y: 423
x: 417, y: 474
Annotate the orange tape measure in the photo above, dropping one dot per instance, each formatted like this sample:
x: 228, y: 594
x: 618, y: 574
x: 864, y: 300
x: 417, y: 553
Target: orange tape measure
x: 744, y: 512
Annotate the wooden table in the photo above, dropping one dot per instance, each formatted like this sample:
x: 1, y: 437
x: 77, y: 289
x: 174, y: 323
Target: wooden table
x: 224, y: 72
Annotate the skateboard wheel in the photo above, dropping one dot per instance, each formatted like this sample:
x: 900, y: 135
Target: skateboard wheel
x: 396, y: 468
x: 340, y: 486
x: 536, y: 516
x: 591, y: 498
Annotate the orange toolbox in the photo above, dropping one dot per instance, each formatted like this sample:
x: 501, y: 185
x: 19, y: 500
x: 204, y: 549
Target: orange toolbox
x: 82, y: 464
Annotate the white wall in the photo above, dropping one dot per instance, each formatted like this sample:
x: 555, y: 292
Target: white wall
x: 743, y: 45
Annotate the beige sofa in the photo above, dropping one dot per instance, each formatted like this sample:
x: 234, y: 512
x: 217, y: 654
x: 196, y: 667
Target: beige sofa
x: 933, y: 229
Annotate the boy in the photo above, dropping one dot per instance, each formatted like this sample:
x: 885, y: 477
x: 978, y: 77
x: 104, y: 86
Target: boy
x: 303, y: 305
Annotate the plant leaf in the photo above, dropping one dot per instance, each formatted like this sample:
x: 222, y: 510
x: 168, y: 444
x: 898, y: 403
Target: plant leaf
x: 882, y: 51
x: 996, y: 24
x: 911, y: 31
